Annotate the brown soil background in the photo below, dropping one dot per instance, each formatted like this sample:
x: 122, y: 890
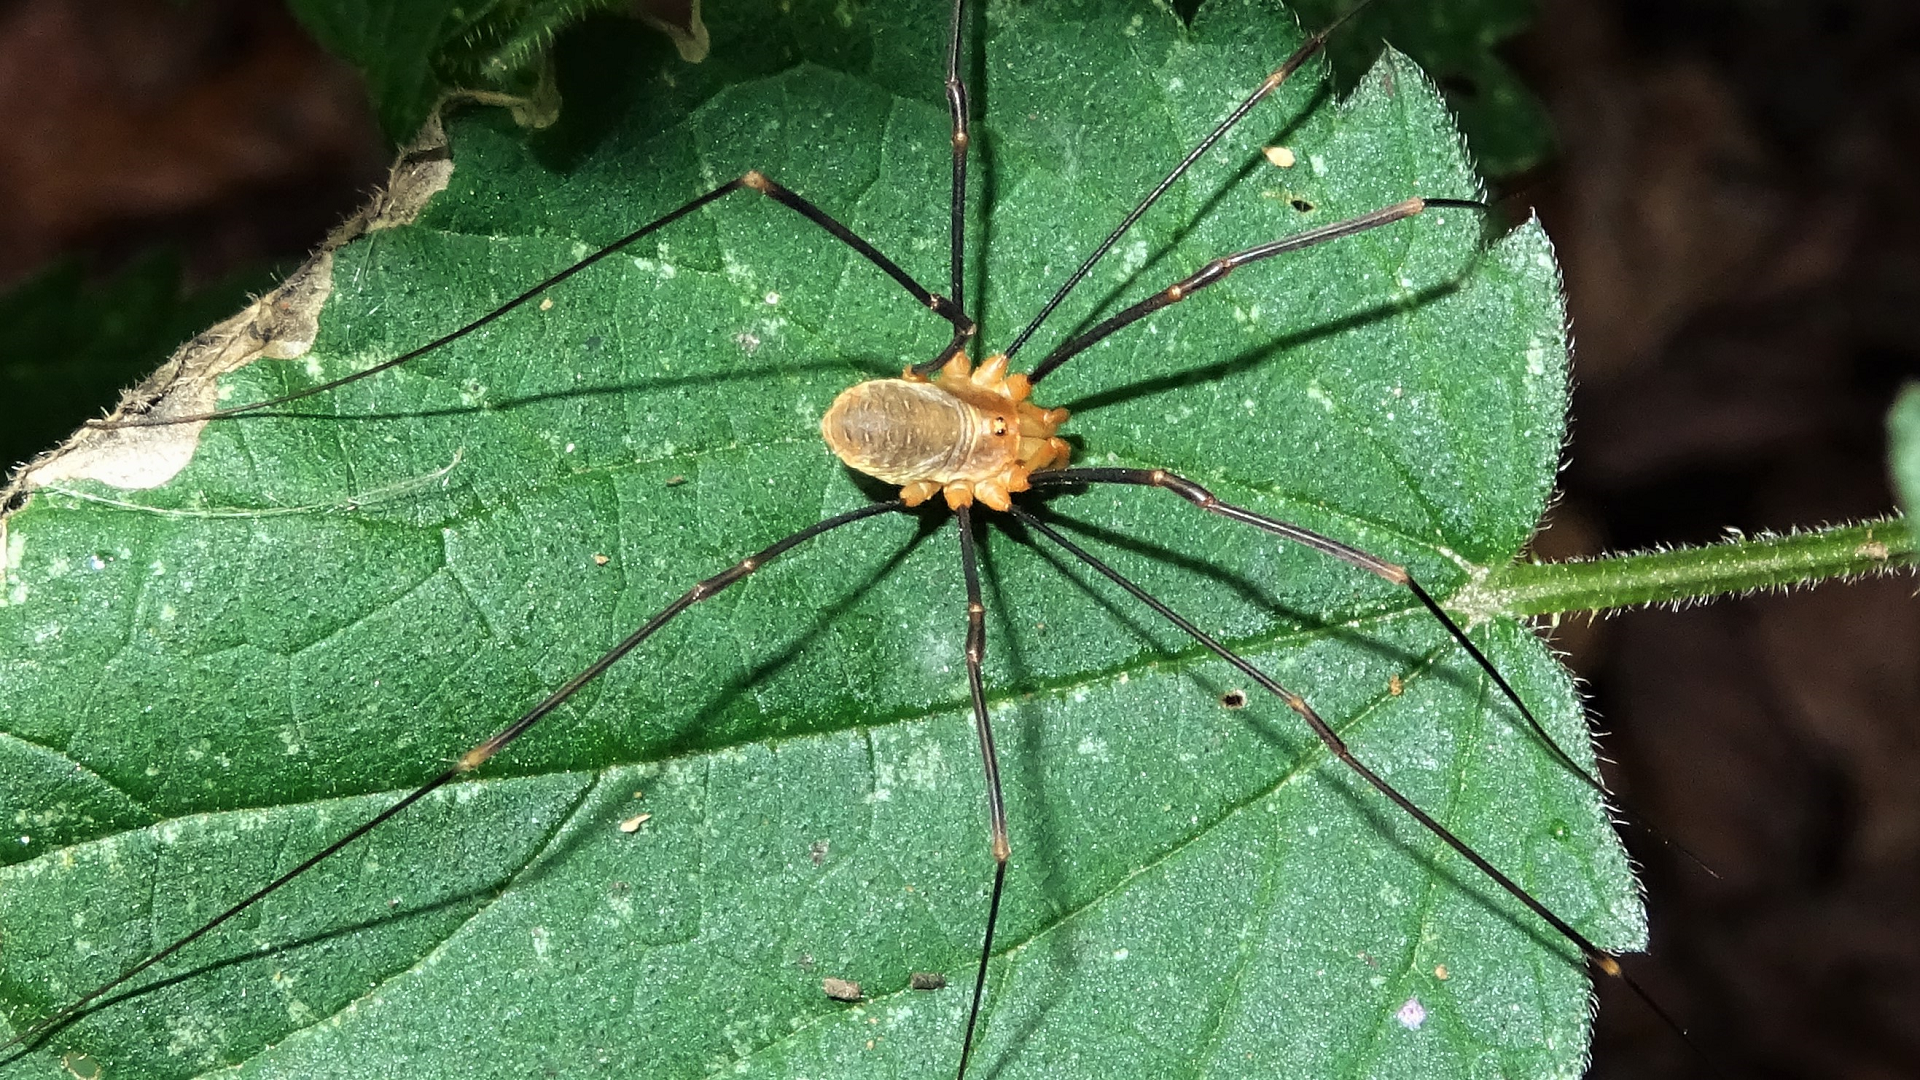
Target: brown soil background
x: 1735, y: 207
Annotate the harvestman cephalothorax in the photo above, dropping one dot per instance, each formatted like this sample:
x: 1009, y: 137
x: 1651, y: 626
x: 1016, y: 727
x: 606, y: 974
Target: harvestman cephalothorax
x: 1192, y: 877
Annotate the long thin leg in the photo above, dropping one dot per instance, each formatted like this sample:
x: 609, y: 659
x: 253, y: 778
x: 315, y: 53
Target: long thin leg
x: 990, y: 760
x: 477, y: 756
x: 753, y: 180
x: 1599, y: 959
x: 1393, y: 572
x: 957, y: 105
x: 1596, y: 958
x: 1267, y: 86
x: 1227, y: 264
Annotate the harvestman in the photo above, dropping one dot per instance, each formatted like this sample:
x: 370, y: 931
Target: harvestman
x: 960, y: 433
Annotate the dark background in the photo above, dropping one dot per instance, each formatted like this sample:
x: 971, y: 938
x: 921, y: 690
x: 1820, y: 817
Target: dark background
x: 1735, y: 205
x: 1735, y: 208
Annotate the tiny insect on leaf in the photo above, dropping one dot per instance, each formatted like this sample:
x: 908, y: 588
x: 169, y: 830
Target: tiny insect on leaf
x: 206, y: 680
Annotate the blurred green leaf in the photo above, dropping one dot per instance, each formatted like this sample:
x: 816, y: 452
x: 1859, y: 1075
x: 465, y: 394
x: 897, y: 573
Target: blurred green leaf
x: 207, y: 680
x: 1903, y: 447
x: 413, y: 53
x: 1457, y: 43
x: 69, y: 344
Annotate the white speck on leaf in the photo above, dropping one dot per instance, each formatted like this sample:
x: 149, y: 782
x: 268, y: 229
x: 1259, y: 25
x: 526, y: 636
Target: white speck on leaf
x: 925, y: 767
x: 1536, y: 359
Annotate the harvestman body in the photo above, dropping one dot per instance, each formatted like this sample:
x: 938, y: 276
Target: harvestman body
x: 970, y: 434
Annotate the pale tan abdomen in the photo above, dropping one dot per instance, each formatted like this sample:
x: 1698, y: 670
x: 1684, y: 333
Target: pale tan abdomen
x: 973, y: 434
x: 901, y: 431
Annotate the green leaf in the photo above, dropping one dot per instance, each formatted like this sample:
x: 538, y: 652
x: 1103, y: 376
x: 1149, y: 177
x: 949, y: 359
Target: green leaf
x: 1903, y: 447
x: 207, y: 680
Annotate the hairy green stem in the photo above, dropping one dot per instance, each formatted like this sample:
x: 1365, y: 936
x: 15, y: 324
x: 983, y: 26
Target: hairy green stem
x: 1693, y: 573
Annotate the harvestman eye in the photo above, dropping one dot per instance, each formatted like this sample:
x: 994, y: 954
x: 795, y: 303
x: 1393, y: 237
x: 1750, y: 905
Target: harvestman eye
x: 956, y: 429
